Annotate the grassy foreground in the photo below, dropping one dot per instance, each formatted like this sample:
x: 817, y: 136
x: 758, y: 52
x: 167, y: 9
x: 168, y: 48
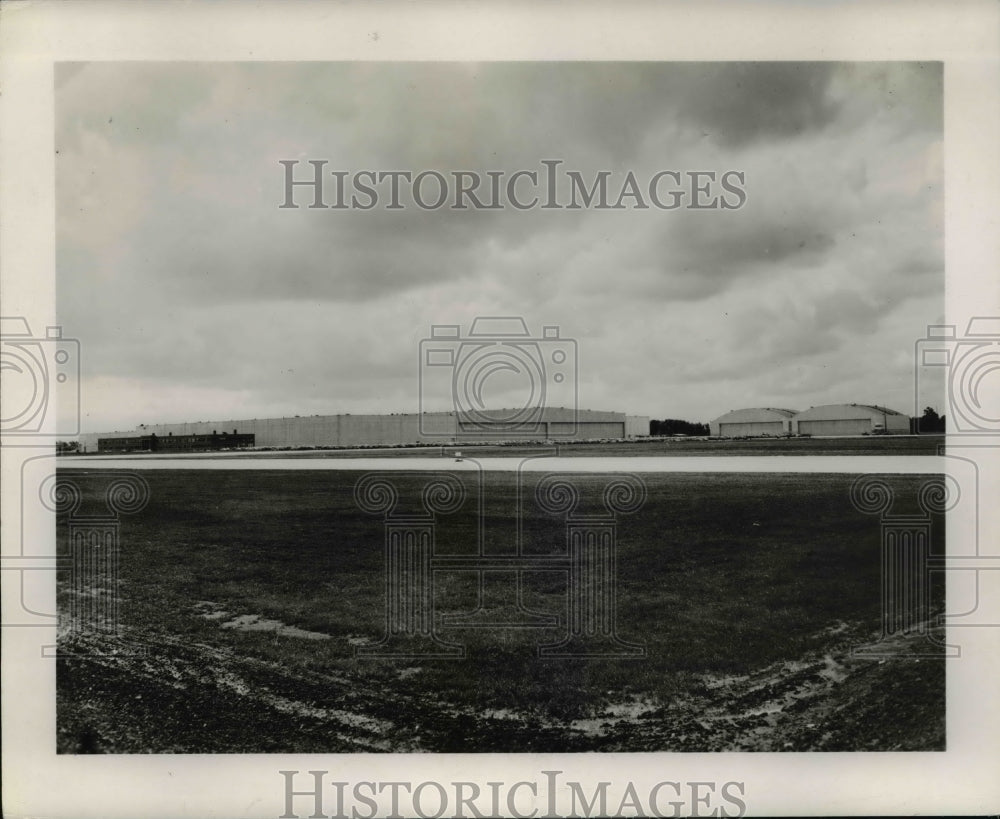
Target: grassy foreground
x: 248, y: 593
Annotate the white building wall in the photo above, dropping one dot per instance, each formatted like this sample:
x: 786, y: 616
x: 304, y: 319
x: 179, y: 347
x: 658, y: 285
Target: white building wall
x: 753, y: 429
x: 849, y: 419
x: 751, y: 422
x: 636, y: 426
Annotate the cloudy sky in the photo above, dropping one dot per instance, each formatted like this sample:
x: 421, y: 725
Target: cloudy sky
x: 195, y: 297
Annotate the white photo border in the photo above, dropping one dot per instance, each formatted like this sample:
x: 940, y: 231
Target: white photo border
x: 36, y: 35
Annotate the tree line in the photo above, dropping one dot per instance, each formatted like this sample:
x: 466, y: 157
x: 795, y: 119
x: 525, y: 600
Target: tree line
x: 674, y: 426
x: 930, y: 421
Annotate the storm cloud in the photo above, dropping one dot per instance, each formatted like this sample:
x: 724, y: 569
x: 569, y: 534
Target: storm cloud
x: 195, y: 296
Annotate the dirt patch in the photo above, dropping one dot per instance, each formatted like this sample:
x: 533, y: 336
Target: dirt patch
x: 614, y: 715
x: 257, y: 622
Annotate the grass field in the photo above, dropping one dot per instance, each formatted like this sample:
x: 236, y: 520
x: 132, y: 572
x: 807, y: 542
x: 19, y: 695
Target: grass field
x: 248, y: 593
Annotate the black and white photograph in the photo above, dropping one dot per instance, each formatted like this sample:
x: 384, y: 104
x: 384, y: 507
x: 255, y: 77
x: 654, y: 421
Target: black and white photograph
x: 534, y: 411
x: 463, y: 263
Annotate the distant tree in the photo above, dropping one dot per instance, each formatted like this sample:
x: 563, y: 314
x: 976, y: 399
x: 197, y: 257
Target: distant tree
x: 674, y: 426
x: 930, y: 421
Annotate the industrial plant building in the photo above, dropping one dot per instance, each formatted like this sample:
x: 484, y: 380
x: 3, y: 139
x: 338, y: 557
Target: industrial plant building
x: 545, y: 424
x: 830, y: 419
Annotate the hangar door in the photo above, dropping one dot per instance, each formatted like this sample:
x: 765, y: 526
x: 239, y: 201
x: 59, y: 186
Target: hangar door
x: 586, y: 429
x: 737, y: 429
x: 839, y: 426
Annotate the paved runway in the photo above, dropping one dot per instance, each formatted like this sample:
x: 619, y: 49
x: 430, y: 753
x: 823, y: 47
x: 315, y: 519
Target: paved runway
x: 847, y: 464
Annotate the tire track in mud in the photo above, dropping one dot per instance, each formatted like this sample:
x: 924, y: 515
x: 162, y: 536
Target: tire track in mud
x: 195, y: 677
x: 186, y: 697
x: 830, y: 700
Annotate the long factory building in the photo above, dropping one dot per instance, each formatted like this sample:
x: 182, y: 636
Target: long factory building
x: 829, y: 419
x: 548, y: 424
